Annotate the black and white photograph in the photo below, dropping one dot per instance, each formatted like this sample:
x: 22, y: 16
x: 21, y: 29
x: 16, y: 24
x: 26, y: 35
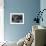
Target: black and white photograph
x: 16, y: 18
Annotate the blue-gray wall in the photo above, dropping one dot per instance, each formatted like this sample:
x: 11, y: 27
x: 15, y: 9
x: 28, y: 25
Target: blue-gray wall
x: 29, y: 8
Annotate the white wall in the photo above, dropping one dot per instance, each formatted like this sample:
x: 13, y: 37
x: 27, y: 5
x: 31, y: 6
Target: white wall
x: 43, y: 6
x: 1, y: 21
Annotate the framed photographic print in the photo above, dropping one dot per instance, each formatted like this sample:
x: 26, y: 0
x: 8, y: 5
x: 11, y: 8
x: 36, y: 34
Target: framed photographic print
x: 16, y: 18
